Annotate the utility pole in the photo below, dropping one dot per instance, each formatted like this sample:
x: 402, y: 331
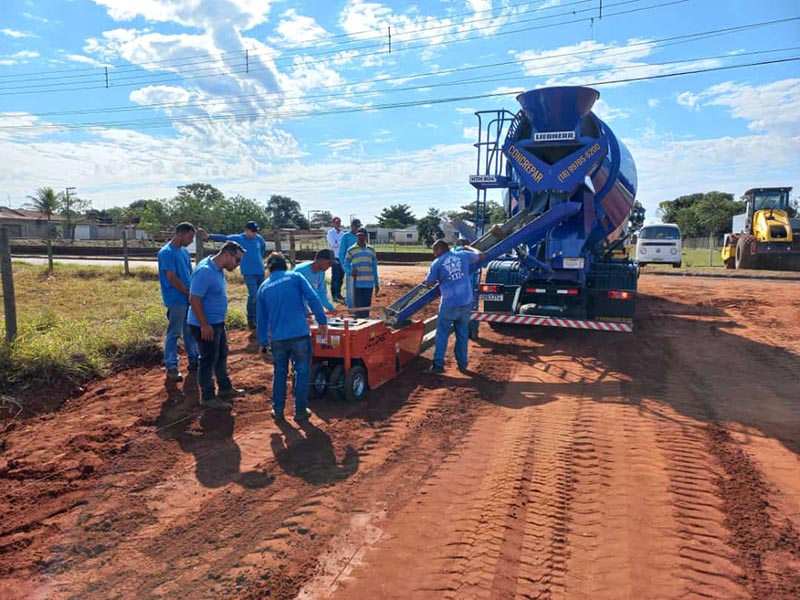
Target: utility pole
x: 70, y: 191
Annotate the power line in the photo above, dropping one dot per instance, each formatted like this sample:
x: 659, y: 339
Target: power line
x: 40, y: 88
x: 158, y: 123
x: 214, y: 57
x: 629, y: 49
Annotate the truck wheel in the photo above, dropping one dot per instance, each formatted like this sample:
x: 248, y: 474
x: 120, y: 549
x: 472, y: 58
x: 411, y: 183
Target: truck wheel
x: 336, y: 382
x: 730, y: 263
x: 318, y: 380
x: 745, y: 257
x: 677, y: 265
x: 355, y: 383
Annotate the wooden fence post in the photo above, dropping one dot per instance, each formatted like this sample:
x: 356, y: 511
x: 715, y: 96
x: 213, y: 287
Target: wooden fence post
x: 125, y: 252
x: 49, y: 252
x: 277, y: 235
x: 198, y: 249
x: 292, y: 249
x: 710, y: 249
x: 9, y: 299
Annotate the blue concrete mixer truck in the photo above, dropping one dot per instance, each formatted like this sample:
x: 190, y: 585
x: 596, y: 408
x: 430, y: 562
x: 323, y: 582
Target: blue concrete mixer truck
x: 569, y: 186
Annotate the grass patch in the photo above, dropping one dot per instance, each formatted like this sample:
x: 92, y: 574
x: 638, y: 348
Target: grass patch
x: 85, y: 321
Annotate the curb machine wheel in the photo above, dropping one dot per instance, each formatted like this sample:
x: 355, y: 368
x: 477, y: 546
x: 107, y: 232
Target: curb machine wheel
x: 745, y: 257
x: 350, y: 387
x: 355, y: 383
x: 336, y: 382
x: 318, y: 380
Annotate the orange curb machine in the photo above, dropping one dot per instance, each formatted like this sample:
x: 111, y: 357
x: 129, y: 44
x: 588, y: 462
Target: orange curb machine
x: 358, y: 354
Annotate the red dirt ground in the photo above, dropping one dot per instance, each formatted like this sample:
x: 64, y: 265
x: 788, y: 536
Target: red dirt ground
x: 571, y: 464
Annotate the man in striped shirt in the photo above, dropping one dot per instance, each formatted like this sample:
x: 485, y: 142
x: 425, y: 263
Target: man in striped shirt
x: 361, y: 263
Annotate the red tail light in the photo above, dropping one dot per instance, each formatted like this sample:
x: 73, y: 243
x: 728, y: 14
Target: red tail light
x: 621, y: 295
x: 488, y: 288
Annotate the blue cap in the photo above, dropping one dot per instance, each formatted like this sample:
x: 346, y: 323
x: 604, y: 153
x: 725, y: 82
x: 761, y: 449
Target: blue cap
x: 252, y: 226
x: 361, y: 231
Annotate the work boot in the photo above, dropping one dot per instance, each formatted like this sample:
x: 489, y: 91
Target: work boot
x: 303, y: 416
x: 215, y: 404
x: 435, y: 369
x: 464, y: 369
x: 278, y: 416
x: 174, y: 375
x: 231, y: 393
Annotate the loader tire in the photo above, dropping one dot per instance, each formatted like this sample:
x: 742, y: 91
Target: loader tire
x: 746, y: 257
x: 730, y: 263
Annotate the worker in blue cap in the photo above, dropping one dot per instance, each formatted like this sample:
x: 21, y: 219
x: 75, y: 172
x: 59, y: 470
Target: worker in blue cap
x: 252, y: 266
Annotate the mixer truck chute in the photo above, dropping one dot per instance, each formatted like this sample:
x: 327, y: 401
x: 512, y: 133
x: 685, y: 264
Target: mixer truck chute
x: 569, y: 188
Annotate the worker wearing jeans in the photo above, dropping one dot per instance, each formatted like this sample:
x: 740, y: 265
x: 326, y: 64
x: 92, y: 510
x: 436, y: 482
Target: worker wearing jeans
x: 451, y: 271
x: 283, y: 332
x: 252, y: 267
x: 175, y: 276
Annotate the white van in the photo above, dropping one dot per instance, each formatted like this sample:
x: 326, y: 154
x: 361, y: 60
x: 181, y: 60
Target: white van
x: 659, y: 244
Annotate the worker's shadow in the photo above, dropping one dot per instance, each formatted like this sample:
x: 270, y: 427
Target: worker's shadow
x: 217, y: 456
x: 311, y: 457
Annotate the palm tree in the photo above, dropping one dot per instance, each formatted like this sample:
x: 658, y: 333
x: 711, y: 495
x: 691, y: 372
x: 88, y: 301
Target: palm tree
x: 46, y: 201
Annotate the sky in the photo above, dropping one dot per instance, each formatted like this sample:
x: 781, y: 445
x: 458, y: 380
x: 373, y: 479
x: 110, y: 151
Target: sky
x: 350, y: 106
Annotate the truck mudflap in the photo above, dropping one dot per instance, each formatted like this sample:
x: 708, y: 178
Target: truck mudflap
x: 484, y: 317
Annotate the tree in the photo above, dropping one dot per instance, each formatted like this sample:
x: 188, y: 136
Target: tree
x: 71, y: 208
x: 495, y: 213
x: 701, y: 215
x: 285, y: 212
x: 428, y: 226
x: 235, y: 212
x: 198, y: 203
x: 320, y: 219
x: 396, y: 216
x: 46, y: 201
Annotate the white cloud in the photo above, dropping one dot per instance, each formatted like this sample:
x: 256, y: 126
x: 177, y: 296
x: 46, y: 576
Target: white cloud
x: 470, y: 133
x: 35, y: 18
x: 592, y: 62
x: 15, y: 33
x: 689, y: 100
x: 240, y: 14
x: 607, y: 113
x: 653, y: 102
x: 773, y: 107
x: 23, y: 54
x: 670, y: 167
x: 298, y: 30
x: 87, y: 60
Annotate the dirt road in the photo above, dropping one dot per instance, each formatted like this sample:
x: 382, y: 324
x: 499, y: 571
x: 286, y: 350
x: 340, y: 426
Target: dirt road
x: 661, y: 464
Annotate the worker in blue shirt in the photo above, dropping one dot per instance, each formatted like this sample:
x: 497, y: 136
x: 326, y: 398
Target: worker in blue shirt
x: 284, y: 334
x: 462, y: 243
x: 451, y: 271
x: 361, y: 265
x: 348, y: 240
x: 252, y: 266
x: 175, y: 275
x: 314, y: 272
x: 208, y: 297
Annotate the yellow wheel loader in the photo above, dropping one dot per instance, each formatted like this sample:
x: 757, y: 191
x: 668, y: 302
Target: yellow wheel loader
x: 764, y: 237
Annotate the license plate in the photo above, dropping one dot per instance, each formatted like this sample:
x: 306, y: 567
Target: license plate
x: 492, y: 297
x: 573, y: 263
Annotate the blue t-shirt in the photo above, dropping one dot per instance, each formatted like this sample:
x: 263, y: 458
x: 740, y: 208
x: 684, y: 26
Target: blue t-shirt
x: 348, y: 239
x: 317, y: 281
x: 451, y: 271
x: 179, y: 262
x: 254, y: 251
x: 208, y: 282
x: 474, y: 277
x: 280, y: 307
